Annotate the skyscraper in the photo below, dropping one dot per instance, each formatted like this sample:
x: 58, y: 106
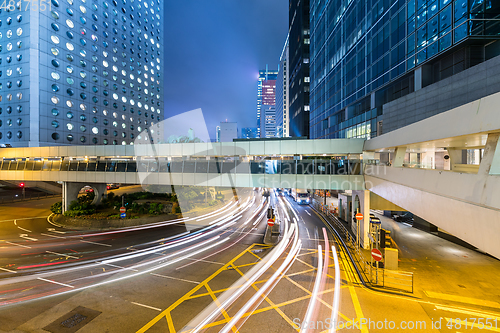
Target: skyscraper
x: 228, y: 131
x: 263, y: 75
x: 366, y: 55
x: 299, y: 67
x: 282, y: 95
x: 268, y: 113
x: 81, y: 72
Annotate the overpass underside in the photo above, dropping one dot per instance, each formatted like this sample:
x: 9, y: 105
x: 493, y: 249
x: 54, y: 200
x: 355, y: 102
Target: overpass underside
x: 446, y: 170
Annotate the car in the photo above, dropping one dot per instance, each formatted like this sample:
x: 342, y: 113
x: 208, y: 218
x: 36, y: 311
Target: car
x: 405, y: 217
x: 112, y: 186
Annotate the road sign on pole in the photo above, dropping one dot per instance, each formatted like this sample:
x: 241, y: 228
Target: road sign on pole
x: 376, y: 254
x: 123, y: 215
x: 359, y: 216
x: 270, y: 222
x: 123, y: 209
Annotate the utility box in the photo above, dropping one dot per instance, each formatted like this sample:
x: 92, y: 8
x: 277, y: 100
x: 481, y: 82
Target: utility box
x: 391, y: 259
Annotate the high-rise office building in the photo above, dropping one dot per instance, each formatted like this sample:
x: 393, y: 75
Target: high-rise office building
x: 263, y: 76
x: 81, y: 72
x: 249, y: 133
x: 299, y: 67
x: 228, y: 131
x: 282, y: 96
x: 366, y: 55
x: 268, y: 111
x: 217, y: 134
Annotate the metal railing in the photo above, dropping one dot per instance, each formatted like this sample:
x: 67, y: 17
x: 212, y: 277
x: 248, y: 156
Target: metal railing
x: 398, y: 280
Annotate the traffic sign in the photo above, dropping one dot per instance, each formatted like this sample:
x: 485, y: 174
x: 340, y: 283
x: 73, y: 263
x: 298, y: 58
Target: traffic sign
x: 123, y: 209
x: 376, y: 254
x: 123, y: 215
x: 359, y: 216
x: 270, y: 222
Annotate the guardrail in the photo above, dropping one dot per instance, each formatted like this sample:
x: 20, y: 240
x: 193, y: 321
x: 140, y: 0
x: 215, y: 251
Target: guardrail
x: 399, y: 280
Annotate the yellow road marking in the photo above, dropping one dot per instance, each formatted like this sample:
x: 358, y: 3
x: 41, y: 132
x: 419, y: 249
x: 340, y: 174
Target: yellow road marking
x: 221, y: 309
x: 170, y: 322
x: 191, y: 292
x: 271, y: 303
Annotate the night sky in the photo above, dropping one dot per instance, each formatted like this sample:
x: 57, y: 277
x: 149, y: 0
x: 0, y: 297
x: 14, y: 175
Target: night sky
x: 213, y: 52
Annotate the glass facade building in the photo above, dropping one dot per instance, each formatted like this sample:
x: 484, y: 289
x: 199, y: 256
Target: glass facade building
x: 366, y: 53
x: 81, y: 72
x: 264, y: 75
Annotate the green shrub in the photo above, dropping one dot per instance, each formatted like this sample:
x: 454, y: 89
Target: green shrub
x: 56, y: 208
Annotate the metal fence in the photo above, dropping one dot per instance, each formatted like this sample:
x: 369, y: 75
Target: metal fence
x: 398, y: 280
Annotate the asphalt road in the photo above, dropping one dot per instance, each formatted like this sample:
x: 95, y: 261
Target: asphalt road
x: 168, y: 278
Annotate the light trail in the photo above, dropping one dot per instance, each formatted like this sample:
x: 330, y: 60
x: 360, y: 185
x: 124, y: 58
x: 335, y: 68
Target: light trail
x: 314, y: 295
x: 336, y: 292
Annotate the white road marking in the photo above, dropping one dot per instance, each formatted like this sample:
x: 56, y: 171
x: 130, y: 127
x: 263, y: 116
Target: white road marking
x: 7, y: 270
x: 131, y: 269
x: 24, y: 229
x: 407, y: 224
x: 29, y: 247
x: 210, y: 262
x: 54, y: 230
x: 169, y: 277
x: 95, y: 243
x: 147, y: 306
x: 24, y: 236
x: 24, y: 218
x: 307, y: 212
x: 52, y: 281
x: 61, y: 254
x: 53, y: 236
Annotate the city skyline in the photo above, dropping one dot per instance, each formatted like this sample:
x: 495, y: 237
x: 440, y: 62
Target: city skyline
x: 216, y: 63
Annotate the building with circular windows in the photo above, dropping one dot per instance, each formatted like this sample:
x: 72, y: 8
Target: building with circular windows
x: 97, y: 60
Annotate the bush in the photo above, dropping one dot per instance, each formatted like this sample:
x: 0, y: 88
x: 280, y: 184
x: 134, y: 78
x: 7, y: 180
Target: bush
x: 56, y: 208
x: 177, y: 210
x: 213, y: 202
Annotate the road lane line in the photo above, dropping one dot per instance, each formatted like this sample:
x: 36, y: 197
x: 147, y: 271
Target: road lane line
x: 28, y: 247
x: 95, y: 243
x: 61, y: 254
x: 52, y: 236
x: 308, y: 212
x: 24, y: 218
x: 473, y: 313
x: 116, y: 266
x: 147, y: 306
x: 462, y: 299
x: 170, y: 277
x: 28, y: 238
x: 53, y: 223
x: 7, y: 270
x: 207, y: 261
x: 24, y: 229
x: 55, y: 282
x: 56, y: 231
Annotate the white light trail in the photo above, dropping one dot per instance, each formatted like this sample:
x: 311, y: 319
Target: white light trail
x: 314, y: 295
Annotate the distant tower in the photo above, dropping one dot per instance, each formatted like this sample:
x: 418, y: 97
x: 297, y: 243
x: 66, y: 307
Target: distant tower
x: 264, y: 75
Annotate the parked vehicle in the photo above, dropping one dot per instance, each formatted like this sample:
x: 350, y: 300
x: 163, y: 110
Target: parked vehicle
x: 405, y: 217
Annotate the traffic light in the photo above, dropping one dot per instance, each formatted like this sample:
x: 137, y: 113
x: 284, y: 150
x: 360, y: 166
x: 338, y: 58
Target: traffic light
x: 21, y: 185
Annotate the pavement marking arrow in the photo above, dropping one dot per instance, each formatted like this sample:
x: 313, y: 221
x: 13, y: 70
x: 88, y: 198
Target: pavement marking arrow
x: 54, y: 230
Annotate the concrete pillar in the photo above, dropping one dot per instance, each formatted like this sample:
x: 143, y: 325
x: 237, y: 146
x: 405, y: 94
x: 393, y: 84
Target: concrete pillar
x: 399, y: 157
x: 364, y: 208
x: 456, y: 156
x: 70, y: 193
x: 490, y: 164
